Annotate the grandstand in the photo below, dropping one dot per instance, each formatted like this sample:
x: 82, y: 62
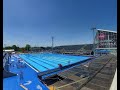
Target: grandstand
x: 106, y: 40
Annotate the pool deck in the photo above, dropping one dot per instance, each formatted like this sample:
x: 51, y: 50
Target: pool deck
x: 96, y: 74
x: 103, y: 79
x: 30, y: 81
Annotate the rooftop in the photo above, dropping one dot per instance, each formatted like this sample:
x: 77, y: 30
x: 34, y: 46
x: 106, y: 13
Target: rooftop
x: 107, y: 30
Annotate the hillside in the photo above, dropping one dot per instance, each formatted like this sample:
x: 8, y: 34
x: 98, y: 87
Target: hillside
x: 74, y: 47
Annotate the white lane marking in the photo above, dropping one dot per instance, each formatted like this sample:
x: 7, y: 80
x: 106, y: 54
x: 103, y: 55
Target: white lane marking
x: 28, y: 82
x: 39, y: 87
x: 31, y: 67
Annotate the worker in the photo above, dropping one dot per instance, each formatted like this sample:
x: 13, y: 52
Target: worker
x: 21, y: 76
x: 60, y: 66
x: 68, y: 62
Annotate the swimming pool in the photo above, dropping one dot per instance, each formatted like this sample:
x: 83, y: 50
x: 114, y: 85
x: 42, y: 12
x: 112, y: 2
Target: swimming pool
x: 48, y: 61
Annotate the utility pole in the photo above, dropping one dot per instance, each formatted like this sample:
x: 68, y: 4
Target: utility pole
x: 52, y: 42
x: 4, y: 46
x: 93, y: 40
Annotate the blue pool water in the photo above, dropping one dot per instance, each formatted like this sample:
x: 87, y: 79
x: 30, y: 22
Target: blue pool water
x: 47, y: 61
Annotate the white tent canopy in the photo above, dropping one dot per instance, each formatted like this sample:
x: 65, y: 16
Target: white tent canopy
x: 9, y: 50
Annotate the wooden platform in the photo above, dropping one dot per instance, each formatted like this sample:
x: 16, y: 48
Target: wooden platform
x: 97, y: 76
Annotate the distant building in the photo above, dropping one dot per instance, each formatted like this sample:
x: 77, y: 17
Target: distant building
x: 106, y: 40
x: 9, y: 50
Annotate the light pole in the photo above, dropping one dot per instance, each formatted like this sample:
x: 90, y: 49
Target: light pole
x: 52, y: 42
x: 93, y: 40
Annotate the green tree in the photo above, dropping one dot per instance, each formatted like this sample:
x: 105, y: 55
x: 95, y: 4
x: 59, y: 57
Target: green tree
x: 15, y: 47
x: 43, y: 48
x: 48, y: 48
x: 27, y: 47
x: 8, y: 47
x: 22, y: 49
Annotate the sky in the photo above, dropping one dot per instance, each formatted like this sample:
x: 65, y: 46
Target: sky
x: 69, y: 21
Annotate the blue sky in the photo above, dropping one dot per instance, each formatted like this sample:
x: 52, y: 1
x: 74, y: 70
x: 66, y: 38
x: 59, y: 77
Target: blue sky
x: 69, y: 21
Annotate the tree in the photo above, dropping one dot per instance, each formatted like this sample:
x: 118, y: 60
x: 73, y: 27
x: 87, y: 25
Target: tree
x: 8, y: 47
x: 22, y: 49
x: 48, y: 48
x: 27, y: 47
x: 43, y: 48
x: 14, y: 47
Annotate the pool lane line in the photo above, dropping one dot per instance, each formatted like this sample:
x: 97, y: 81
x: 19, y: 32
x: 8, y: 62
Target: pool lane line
x: 64, y: 61
x: 60, y: 57
x: 50, y: 60
x: 37, y: 63
x: 42, y: 61
x: 57, y: 60
x: 74, y: 59
x: 32, y: 67
x: 31, y: 61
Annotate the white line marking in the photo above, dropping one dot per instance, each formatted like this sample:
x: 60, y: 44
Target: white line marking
x: 39, y: 87
x: 28, y: 82
x: 31, y: 67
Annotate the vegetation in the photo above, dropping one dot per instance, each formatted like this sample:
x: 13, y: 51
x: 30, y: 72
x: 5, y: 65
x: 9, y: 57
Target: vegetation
x: 75, y: 47
x: 27, y: 47
x: 67, y: 47
x: 15, y: 48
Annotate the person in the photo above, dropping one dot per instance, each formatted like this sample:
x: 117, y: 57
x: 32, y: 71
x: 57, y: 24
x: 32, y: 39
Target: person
x: 10, y: 64
x: 18, y: 60
x: 68, y: 62
x: 60, y: 66
x: 21, y: 76
x: 17, y: 65
x: 92, y: 53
